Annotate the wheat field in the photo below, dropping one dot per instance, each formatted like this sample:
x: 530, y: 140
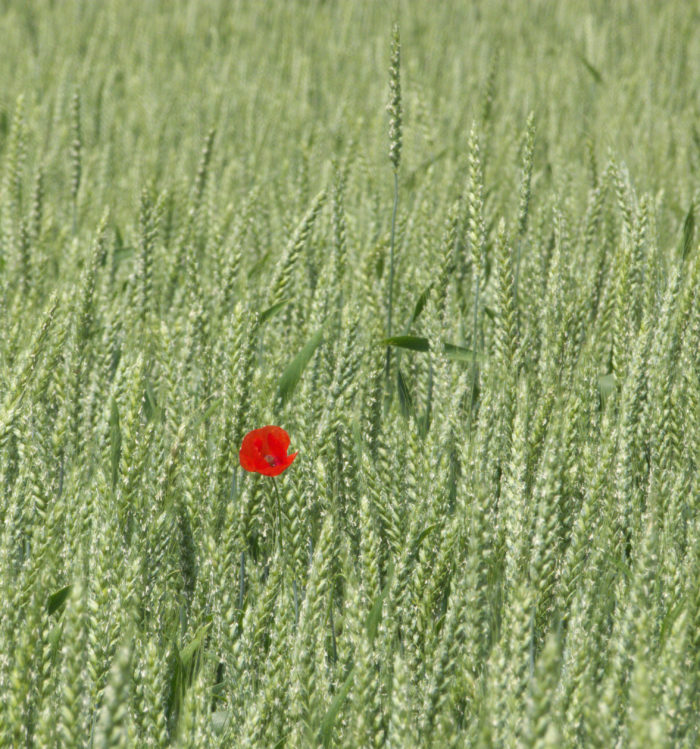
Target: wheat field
x: 450, y: 248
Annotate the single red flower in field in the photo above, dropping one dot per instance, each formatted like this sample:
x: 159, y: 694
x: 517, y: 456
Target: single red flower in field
x: 264, y: 451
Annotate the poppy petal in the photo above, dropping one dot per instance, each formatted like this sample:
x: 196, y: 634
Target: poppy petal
x: 264, y: 451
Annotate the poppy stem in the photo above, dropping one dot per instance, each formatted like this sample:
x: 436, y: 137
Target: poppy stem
x: 279, y: 514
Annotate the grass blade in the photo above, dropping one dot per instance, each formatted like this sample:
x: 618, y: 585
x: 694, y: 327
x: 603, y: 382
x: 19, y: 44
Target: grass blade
x: 115, y: 440
x: 293, y: 371
x: 688, y: 232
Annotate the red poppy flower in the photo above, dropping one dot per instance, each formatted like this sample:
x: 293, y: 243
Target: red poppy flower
x: 264, y: 451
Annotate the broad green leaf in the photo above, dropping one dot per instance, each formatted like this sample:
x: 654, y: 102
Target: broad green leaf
x: 292, y: 373
x: 58, y: 599
x: 412, y: 342
x: 459, y: 353
x: 425, y: 533
x: 272, y: 311
x: 418, y: 343
x: 420, y: 305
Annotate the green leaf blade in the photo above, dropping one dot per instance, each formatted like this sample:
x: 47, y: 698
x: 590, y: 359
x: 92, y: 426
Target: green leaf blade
x: 292, y: 374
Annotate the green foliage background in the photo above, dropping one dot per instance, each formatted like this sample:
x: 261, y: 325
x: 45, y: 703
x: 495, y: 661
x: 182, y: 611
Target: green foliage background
x: 489, y: 537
